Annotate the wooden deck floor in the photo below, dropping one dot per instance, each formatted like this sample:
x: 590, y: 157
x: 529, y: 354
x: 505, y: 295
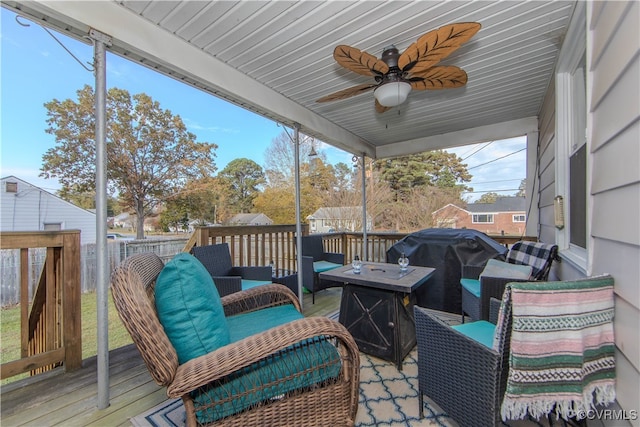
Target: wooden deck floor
x: 70, y: 399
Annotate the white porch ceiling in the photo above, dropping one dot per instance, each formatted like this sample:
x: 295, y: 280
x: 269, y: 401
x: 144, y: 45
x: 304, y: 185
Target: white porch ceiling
x: 275, y: 58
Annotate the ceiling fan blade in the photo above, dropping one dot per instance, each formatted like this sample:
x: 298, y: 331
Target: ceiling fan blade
x: 348, y: 93
x: 359, y: 62
x: 436, y: 45
x: 381, y: 108
x: 439, y: 77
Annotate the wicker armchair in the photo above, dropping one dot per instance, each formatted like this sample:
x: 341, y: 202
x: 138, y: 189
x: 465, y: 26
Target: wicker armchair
x: 229, y: 279
x: 465, y: 378
x: 478, y: 291
x: 314, y: 257
x: 331, y: 401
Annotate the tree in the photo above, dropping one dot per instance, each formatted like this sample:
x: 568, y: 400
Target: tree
x: 150, y: 153
x: 280, y: 157
x: 489, y: 197
x: 522, y: 189
x: 244, y: 178
x: 317, y: 180
x: 203, y: 200
x: 431, y: 168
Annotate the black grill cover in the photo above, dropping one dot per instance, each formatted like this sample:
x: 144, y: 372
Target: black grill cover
x: 446, y: 250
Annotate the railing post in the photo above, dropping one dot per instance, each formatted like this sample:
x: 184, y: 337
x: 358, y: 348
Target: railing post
x: 71, y: 292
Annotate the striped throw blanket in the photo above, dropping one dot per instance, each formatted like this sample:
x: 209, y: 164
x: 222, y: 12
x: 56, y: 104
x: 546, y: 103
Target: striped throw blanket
x: 562, y: 348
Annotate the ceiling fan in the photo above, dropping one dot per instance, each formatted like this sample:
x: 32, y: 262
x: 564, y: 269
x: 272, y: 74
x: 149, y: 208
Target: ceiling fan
x: 396, y: 74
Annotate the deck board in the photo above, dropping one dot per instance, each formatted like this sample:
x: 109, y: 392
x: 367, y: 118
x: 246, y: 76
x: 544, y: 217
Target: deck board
x: 70, y: 399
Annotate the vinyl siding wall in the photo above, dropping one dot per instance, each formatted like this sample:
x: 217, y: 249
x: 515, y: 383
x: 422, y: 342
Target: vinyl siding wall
x: 613, y: 46
x: 613, y: 135
x: 31, y: 207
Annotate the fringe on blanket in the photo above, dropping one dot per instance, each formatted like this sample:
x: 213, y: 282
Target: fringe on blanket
x: 565, y: 409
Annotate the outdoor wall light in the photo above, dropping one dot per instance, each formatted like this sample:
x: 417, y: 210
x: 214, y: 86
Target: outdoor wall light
x: 392, y: 93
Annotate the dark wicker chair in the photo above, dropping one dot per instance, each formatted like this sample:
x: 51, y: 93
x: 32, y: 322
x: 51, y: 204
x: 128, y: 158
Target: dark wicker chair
x: 330, y: 402
x: 229, y: 279
x: 464, y: 377
x: 537, y: 255
x: 314, y: 257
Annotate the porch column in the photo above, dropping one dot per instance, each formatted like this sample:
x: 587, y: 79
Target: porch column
x: 532, y: 189
x: 102, y: 256
x: 296, y: 143
x: 364, y: 210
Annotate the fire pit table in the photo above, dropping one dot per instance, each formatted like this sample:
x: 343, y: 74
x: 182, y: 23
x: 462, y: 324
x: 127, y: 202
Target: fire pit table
x: 377, y: 307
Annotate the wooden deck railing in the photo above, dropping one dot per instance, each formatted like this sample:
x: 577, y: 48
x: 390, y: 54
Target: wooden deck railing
x: 50, y: 328
x: 252, y: 245
x: 258, y: 245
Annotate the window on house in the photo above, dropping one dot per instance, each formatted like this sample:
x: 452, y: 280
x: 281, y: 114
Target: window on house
x: 519, y: 218
x: 52, y: 226
x: 482, y: 218
x: 571, y: 143
x: 11, y: 187
x: 578, y: 199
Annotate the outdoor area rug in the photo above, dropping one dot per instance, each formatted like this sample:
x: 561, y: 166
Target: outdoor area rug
x: 388, y: 397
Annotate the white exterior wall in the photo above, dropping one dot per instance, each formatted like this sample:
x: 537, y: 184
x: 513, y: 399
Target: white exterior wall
x: 613, y: 183
x: 32, y: 207
x: 613, y: 91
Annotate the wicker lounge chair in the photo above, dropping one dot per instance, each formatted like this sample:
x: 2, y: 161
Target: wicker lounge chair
x: 314, y: 257
x: 229, y: 279
x: 465, y: 378
x: 299, y: 372
x: 478, y: 291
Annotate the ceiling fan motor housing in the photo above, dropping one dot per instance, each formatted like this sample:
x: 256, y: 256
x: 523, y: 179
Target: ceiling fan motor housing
x: 390, y: 56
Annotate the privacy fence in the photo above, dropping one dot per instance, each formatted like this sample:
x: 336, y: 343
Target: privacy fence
x: 118, y: 250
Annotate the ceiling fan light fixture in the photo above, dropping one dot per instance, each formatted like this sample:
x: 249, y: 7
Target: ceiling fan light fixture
x: 392, y: 94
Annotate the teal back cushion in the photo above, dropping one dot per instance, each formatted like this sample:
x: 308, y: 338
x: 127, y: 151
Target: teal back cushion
x: 189, y: 308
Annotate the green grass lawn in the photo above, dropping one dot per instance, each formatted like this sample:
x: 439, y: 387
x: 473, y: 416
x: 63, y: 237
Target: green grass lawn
x: 10, y: 331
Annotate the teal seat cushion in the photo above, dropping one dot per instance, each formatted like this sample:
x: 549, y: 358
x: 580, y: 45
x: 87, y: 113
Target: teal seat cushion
x: 238, y: 391
x: 480, y: 331
x: 471, y: 285
x: 189, y: 308
x: 321, y: 266
x: 248, y: 284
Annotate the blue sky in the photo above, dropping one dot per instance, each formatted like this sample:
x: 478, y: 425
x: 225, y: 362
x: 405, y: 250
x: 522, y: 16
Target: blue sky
x: 35, y: 69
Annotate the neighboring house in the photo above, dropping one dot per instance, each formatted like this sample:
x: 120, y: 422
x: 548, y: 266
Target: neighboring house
x: 345, y: 218
x: 250, y: 219
x: 124, y: 220
x: 25, y: 207
x: 507, y: 215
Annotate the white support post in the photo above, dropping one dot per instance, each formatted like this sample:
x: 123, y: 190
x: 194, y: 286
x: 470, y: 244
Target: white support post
x: 100, y: 41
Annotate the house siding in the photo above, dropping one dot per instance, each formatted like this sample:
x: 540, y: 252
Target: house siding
x: 31, y: 207
x: 613, y: 132
x: 613, y: 49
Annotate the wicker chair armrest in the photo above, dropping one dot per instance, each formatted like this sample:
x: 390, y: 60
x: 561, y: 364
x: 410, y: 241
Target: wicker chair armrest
x: 259, y: 297
x: 471, y: 271
x: 334, y: 257
x: 233, y: 357
x: 307, y: 272
x: 494, y: 310
x: 253, y: 272
x: 227, y: 285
